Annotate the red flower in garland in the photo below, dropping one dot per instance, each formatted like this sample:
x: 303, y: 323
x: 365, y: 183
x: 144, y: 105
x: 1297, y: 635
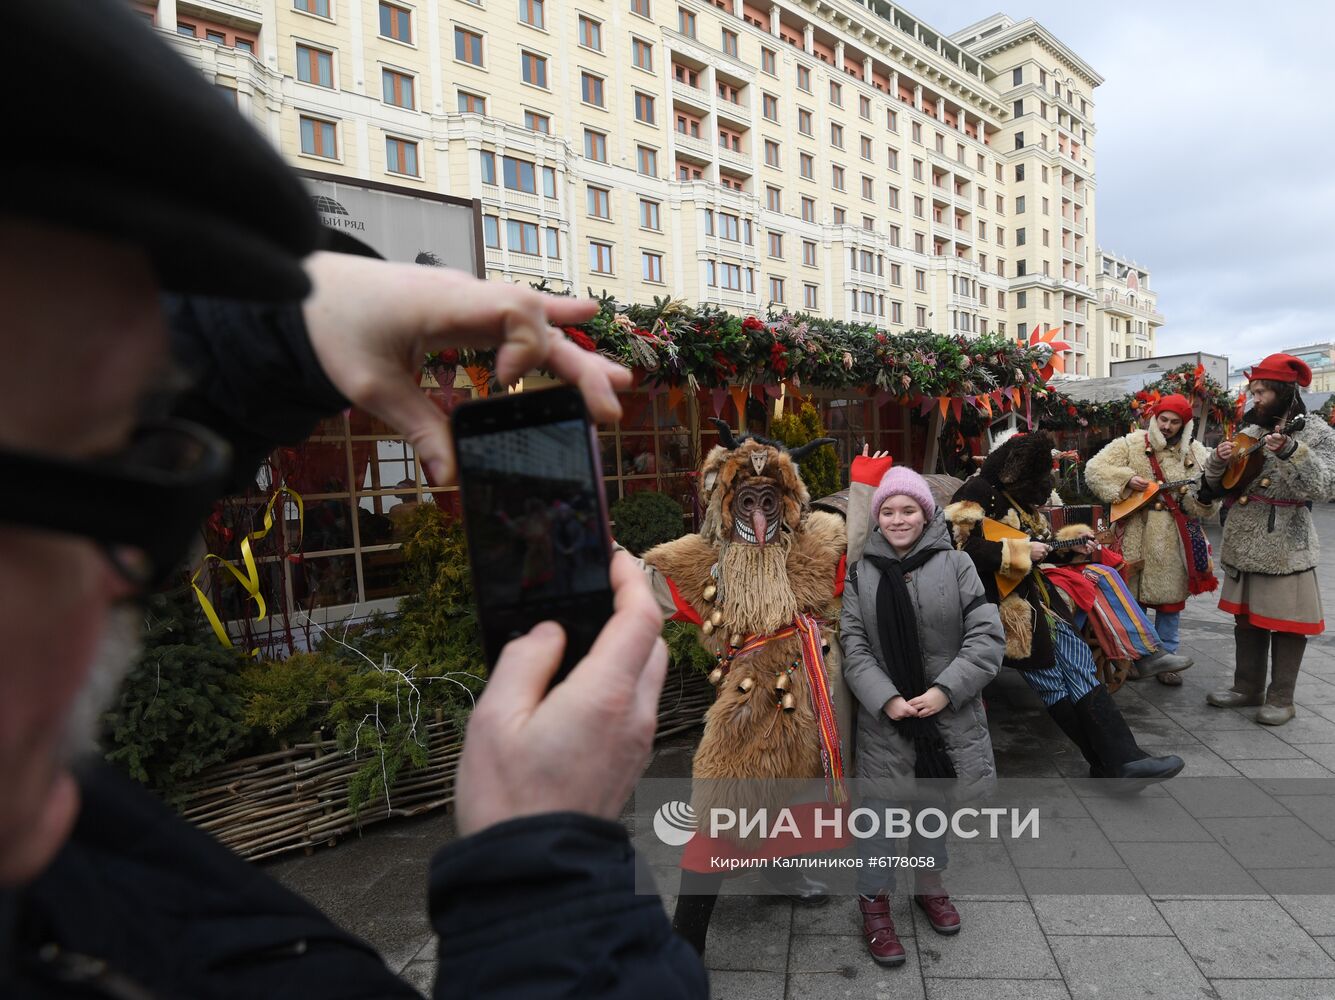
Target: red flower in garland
x: 751, y: 324
x: 580, y: 338
x: 724, y: 366
x: 778, y: 358
x: 449, y: 357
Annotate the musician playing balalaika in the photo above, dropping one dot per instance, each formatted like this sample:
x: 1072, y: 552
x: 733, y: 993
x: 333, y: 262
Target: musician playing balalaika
x: 1165, y: 532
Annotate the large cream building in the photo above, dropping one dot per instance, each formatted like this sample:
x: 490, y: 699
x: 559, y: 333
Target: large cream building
x: 826, y: 156
x: 1127, y: 310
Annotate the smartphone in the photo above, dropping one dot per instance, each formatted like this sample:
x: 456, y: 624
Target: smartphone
x: 535, y: 515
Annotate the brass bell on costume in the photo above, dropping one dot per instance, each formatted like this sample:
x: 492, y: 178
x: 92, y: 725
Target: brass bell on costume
x: 745, y: 685
x: 736, y: 639
x: 1243, y: 501
x: 1265, y: 482
x: 782, y: 683
x: 716, y: 676
x: 710, y: 592
x: 707, y: 627
x: 1158, y: 506
x: 716, y: 619
x: 788, y: 702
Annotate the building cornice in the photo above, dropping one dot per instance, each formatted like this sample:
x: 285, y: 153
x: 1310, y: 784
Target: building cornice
x: 1031, y: 30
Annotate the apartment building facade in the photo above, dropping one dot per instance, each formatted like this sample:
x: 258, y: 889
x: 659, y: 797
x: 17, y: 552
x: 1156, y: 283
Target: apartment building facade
x: 1127, y: 313
x: 826, y: 156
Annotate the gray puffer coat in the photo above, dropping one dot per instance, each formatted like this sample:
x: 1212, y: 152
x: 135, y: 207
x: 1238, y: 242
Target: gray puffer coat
x: 962, y: 644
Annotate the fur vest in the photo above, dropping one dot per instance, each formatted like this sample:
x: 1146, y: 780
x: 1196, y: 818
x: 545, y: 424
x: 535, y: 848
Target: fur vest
x: 1275, y: 540
x: 1151, y: 535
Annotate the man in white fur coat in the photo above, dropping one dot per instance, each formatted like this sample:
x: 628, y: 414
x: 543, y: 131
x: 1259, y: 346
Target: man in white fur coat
x: 1270, y: 548
x: 1165, y: 533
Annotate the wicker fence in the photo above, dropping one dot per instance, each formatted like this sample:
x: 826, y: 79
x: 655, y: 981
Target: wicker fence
x: 297, y: 798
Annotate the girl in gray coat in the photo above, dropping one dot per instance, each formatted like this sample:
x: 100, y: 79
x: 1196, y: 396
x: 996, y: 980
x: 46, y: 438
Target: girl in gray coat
x: 920, y: 640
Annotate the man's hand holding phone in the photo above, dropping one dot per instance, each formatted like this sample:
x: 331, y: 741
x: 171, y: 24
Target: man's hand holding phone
x: 582, y: 746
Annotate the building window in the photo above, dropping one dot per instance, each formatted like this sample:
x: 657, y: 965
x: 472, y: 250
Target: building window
x: 533, y: 68
x: 590, y: 33
x: 894, y: 235
x: 836, y: 93
x: 600, y: 203
x: 836, y: 135
x: 868, y: 188
x: 245, y: 45
x: 600, y: 257
x: 1021, y: 300
x: 649, y: 215
x: 864, y: 107
x: 1017, y: 76
x: 809, y: 297
x: 808, y: 209
x: 807, y: 165
x: 554, y: 243
x: 641, y: 54
x: 769, y: 106
x: 319, y: 7
x: 397, y: 89
x: 919, y: 207
x: 1017, y: 109
x: 837, y: 177
x: 522, y: 237
x: 216, y: 37
x: 1019, y: 140
x: 804, y: 79
x: 401, y: 156
x: 769, y: 61
x: 776, y: 245
x: 471, y: 104
x: 892, y: 200
x: 1019, y: 205
x: 771, y: 153
x: 809, y: 253
x: 396, y: 23
x: 775, y: 289
x: 488, y: 161
x: 644, y: 108
x: 595, y: 146
x: 651, y: 267
x: 773, y: 199
x: 535, y: 122
x: 730, y: 42
x: 319, y: 138
x: 549, y: 182
x: 468, y: 46
x: 1020, y: 237
x: 804, y: 122
x: 532, y: 12
x: 864, y: 145
x: 591, y: 89
x: 685, y: 22
x: 315, y: 66
x: 916, y: 131
x: 185, y: 28
x: 491, y: 232
x: 647, y: 161
x: 892, y: 119
x: 838, y: 215
x: 917, y: 169
x: 641, y: 7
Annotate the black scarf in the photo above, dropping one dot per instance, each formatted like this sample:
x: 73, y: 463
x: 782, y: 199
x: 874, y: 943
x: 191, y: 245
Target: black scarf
x: 897, y: 627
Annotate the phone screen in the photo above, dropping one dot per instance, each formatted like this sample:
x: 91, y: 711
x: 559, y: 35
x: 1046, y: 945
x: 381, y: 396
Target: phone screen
x: 535, y: 516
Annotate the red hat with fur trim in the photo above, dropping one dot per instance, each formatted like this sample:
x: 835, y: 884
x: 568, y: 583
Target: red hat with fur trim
x: 1281, y: 368
x: 1175, y: 403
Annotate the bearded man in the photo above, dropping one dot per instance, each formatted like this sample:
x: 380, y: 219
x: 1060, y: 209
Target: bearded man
x: 1041, y: 641
x: 1165, y: 535
x: 1270, y: 547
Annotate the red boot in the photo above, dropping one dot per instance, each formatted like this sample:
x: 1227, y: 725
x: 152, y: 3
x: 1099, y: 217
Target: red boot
x: 941, y: 912
x: 879, y: 929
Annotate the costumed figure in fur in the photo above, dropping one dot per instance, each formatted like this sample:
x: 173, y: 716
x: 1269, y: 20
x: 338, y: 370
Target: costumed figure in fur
x: 762, y: 579
x: 1165, y: 534
x: 1270, y: 548
x: 1041, y: 640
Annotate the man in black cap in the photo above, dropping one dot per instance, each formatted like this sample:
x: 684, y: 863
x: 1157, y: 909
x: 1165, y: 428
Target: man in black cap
x: 104, y: 892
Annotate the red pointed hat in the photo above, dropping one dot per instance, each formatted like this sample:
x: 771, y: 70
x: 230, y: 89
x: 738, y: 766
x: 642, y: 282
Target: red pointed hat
x: 1175, y: 403
x: 1281, y: 368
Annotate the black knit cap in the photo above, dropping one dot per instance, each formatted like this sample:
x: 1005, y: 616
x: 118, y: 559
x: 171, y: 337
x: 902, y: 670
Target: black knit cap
x: 112, y: 133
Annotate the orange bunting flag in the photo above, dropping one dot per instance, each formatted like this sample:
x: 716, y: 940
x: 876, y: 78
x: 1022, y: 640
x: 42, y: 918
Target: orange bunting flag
x: 481, y: 379
x: 738, y: 395
x: 944, y: 403
x: 674, y: 397
x: 957, y: 407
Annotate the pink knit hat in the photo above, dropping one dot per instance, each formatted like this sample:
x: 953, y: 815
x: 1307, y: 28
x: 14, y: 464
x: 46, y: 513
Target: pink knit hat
x: 903, y: 481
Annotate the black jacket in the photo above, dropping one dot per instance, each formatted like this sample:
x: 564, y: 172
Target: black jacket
x: 139, y: 905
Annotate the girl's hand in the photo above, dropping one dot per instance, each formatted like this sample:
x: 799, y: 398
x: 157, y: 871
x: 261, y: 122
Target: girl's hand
x: 929, y: 702
x: 897, y: 708
x: 866, y: 452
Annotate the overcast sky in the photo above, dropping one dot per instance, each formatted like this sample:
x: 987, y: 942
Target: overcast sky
x: 1216, y: 157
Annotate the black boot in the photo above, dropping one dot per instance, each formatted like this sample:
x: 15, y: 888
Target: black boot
x: 1115, y: 745
x: 1063, y: 713
x: 695, y: 905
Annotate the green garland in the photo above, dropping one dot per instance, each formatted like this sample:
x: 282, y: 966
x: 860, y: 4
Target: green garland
x: 1059, y: 411
x: 674, y: 344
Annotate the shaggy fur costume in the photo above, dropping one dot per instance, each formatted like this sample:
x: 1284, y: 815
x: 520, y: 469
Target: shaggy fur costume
x: 1021, y: 467
x: 748, y: 743
x: 1250, y: 543
x: 1148, y: 534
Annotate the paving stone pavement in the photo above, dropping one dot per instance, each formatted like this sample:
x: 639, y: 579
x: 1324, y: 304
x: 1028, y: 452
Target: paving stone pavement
x: 1264, y: 841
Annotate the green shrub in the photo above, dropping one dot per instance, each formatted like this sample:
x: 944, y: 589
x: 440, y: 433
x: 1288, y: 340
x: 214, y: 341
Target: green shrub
x: 820, y: 469
x: 643, y: 520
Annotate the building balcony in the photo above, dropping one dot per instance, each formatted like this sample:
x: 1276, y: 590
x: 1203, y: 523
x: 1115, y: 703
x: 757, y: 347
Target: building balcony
x: 730, y: 299
x: 521, y: 200
x: 736, y: 161
x: 692, y: 97
x: 737, y: 114
x: 693, y: 147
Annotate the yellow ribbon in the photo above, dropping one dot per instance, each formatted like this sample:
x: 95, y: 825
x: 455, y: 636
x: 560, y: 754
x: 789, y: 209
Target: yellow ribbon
x: 250, y: 579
